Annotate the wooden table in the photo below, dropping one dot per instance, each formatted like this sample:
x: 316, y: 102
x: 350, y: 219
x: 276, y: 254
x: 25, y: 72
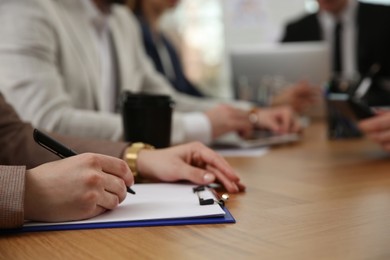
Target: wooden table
x: 317, y: 199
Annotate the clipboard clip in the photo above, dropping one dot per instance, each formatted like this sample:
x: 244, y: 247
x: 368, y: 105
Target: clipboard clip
x: 207, y: 196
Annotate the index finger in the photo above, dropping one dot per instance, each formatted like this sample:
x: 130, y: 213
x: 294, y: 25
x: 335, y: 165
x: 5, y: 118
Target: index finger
x: 227, y: 183
x: 213, y: 159
x: 374, y: 124
x: 113, y: 166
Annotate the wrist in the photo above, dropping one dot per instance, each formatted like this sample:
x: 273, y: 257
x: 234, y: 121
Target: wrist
x: 132, y: 154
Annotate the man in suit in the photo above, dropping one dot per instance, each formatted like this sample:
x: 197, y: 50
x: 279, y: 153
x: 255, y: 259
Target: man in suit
x: 64, y: 64
x: 26, y: 192
x: 364, y: 37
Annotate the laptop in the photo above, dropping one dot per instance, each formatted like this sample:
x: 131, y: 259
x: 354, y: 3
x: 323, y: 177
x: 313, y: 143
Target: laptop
x: 255, y: 68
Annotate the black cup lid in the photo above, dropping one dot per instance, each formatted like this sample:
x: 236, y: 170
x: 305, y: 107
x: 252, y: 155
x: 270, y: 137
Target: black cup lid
x: 145, y: 99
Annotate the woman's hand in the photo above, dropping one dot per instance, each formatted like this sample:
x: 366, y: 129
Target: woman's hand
x: 277, y: 119
x: 193, y: 162
x: 75, y: 188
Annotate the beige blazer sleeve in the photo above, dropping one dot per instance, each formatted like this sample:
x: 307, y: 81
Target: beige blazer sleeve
x: 35, y: 54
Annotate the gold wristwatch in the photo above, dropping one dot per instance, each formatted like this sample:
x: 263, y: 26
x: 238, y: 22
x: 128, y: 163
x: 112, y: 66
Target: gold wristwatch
x: 131, y: 155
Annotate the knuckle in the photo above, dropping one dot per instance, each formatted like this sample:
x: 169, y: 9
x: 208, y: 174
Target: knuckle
x: 122, y: 195
x: 213, y: 160
x: 121, y: 185
x: 197, y: 144
x: 91, y: 159
x: 123, y: 167
x: 93, y: 179
x: 113, y: 203
x: 89, y: 198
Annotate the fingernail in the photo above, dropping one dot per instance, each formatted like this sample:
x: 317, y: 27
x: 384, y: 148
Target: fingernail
x: 208, y: 177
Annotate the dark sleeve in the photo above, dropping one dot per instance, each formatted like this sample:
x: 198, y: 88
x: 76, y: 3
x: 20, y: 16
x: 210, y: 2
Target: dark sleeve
x: 288, y: 35
x: 181, y: 83
x: 19, y: 148
x: 12, y: 184
x: 193, y: 90
x: 304, y: 29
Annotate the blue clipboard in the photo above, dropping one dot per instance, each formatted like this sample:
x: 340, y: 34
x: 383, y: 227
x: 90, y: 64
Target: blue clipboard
x: 156, y: 204
x: 226, y: 219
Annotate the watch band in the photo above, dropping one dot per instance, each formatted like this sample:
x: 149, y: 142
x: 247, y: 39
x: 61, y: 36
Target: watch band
x: 131, y: 155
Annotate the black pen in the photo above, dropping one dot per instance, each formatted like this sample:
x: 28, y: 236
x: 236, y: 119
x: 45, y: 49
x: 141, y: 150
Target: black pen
x: 57, y: 148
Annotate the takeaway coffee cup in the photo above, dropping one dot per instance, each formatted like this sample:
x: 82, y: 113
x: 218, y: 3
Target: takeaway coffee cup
x: 147, y: 118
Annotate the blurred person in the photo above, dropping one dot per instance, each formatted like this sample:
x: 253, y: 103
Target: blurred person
x: 358, y: 37
x: 159, y: 48
x: 166, y: 60
x: 64, y: 64
x: 87, y: 185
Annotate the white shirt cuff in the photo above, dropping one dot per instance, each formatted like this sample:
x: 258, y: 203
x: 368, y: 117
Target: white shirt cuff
x: 197, y: 127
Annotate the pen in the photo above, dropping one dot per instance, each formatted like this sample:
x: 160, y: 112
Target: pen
x: 57, y: 148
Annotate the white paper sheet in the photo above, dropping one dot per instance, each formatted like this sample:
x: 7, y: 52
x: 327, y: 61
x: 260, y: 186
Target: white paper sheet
x: 152, y: 202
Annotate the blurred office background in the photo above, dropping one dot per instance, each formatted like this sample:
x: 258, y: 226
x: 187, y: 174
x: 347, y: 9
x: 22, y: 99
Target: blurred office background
x: 204, y: 31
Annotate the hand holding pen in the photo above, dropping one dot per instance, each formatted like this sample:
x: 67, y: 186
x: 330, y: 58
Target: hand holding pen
x: 57, y: 148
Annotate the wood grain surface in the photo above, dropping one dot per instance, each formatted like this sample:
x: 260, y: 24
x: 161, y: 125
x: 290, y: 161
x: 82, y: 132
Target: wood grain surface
x: 316, y: 199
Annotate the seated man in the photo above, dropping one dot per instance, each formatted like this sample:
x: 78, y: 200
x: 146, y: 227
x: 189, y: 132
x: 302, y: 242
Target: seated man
x: 64, y: 64
x: 87, y: 184
x: 358, y: 36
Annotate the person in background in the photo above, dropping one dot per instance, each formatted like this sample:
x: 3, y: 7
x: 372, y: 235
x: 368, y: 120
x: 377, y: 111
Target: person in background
x: 166, y: 60
x: 358, y: 37
x: 78, y: 56
x: 88, y: 184
x: 159, y: 48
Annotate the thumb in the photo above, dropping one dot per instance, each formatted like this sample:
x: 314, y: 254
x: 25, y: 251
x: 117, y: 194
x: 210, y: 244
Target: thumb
x: 198, y: 175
